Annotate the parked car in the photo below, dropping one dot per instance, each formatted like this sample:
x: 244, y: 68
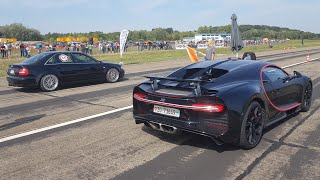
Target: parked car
x: 230, y: 101
x: 49, y: 70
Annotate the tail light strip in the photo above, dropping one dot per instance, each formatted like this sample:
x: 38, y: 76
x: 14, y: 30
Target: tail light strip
x: 195, y: 107
x: 23, y: 72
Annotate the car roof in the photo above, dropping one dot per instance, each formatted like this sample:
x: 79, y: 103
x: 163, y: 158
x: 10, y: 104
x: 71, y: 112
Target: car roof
x: 229, y: 65
x: 53, y: 52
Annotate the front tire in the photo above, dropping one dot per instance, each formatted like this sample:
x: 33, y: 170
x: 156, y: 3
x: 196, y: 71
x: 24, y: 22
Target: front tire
x: 49, y: 82
x: 252, y: 126
x: 306, y: 98
x: 112, y: 75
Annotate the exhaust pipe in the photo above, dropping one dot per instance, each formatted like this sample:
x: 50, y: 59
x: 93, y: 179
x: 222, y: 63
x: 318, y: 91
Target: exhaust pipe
x: 173, y: 130
x: 169, y: 129
x: 162, y: 127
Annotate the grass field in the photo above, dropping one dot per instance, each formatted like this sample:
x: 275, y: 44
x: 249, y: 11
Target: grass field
x: 135, y: 57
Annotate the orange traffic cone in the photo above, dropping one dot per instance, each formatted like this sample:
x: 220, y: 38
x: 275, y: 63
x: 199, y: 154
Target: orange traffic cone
x: 308, y: 57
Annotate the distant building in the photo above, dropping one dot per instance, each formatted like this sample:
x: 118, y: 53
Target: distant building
x: 188, y: 39
x: 204, y: 37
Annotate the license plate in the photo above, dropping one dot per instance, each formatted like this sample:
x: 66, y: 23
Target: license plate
x: 166, y: 111
x: 11, y: 71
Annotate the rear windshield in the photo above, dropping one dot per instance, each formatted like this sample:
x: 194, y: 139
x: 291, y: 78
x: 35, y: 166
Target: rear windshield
x: 197, y: 73
x: 34, y: 59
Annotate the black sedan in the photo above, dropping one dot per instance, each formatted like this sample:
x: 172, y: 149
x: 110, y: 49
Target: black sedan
x: 49, y: 70
x: 230, y: 101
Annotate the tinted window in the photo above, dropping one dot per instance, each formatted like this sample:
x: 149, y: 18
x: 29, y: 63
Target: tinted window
x: 211, y: 73
x: 81, y: 58
x: 34, y: 59
x: 274, y: 73
x: 60, y: 59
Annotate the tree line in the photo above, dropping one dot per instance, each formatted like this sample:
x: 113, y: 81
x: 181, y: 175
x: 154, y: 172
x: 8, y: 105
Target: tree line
x: 249, y: 32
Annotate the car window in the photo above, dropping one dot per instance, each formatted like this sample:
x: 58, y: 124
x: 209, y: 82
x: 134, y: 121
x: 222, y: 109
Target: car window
x: 81, y: 58
x: 191, y: 73
x: 34, y: 59
x: 60, y: 59
x: 274, y: 73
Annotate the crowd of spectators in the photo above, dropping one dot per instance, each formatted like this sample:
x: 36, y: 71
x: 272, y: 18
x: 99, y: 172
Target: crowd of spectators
x: 114, y: 47
x: 6, y: 49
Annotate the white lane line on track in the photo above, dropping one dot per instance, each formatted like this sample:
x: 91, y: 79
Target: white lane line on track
x: 62, y: 124
x: 315, y: 59
x: 28, y: 133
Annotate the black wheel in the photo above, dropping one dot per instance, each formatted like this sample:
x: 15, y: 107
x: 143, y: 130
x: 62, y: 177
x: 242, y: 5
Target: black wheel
x: 112, y: 75
x: 252, y: 126
x: 49, y: 82
x: 306, y: 98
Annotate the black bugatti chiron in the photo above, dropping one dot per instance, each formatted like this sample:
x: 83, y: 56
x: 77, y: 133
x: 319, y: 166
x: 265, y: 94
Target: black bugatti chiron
x: 231, y: 101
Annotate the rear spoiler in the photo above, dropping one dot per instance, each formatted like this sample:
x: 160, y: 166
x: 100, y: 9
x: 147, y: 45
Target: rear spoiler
x: 193, y: 82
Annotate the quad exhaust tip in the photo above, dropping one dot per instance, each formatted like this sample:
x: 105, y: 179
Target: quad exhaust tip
x: 162, y: 127
x: 173, y: 130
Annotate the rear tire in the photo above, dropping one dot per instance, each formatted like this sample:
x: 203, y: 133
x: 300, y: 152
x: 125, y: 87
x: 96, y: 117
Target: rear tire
x: 252, y: 126
x: 112, y: 75
x: 306, y: 98
x: 49, y: 82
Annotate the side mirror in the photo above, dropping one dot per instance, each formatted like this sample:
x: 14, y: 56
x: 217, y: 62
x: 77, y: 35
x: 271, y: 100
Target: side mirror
x: 297, y: 74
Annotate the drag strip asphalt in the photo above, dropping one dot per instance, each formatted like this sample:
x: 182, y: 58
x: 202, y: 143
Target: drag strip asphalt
x: 28, y: 133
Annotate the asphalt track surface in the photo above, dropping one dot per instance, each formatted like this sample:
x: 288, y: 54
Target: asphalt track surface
x: 112, y: 146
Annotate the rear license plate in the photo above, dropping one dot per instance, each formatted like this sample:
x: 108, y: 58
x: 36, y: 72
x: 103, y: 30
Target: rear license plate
x: 11, y: 71
x: 166, y: 111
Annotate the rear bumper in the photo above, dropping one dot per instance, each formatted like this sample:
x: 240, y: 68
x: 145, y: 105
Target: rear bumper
x: 201, y: 127
x: 22, y: 81
x: 212, y: 125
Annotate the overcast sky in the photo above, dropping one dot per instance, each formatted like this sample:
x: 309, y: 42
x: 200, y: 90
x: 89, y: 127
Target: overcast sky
x: 115, y: 15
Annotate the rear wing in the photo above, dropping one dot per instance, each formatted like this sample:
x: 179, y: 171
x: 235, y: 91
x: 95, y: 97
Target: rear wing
x: 194, y: 83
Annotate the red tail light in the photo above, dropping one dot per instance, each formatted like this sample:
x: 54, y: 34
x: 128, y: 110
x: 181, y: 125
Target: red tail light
x: 208, y: 107
x: 23, y: 72
x: 139, y: 96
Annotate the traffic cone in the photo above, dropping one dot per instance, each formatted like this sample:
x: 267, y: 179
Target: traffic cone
x: 308, y: 57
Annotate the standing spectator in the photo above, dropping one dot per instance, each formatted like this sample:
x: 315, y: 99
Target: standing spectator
x: 54, y: 47
x: 112, y: 47
x: 78, y: 47
x: 210, y: 53
x: 28, y: 50
x: 6, y: 50
x: 83, y: 49
x: 109, y: 48
x: 86, y: 48
x: 39, y: 48
x: 22, y: 49
x: 126, y: 47
x: 100, y: 47
x: 9, y: 50
x: 90, y: 46
x: 67, y: 47
x: 117, y: 47
x: 50, y: 47
x: 104, y: 48
x: 2, y: 48
x: 73, y: 47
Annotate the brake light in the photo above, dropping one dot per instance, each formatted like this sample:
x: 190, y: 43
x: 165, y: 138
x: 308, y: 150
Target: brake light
x: 208, y: 107
x: 23, y: 72
x: 139, y: 96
